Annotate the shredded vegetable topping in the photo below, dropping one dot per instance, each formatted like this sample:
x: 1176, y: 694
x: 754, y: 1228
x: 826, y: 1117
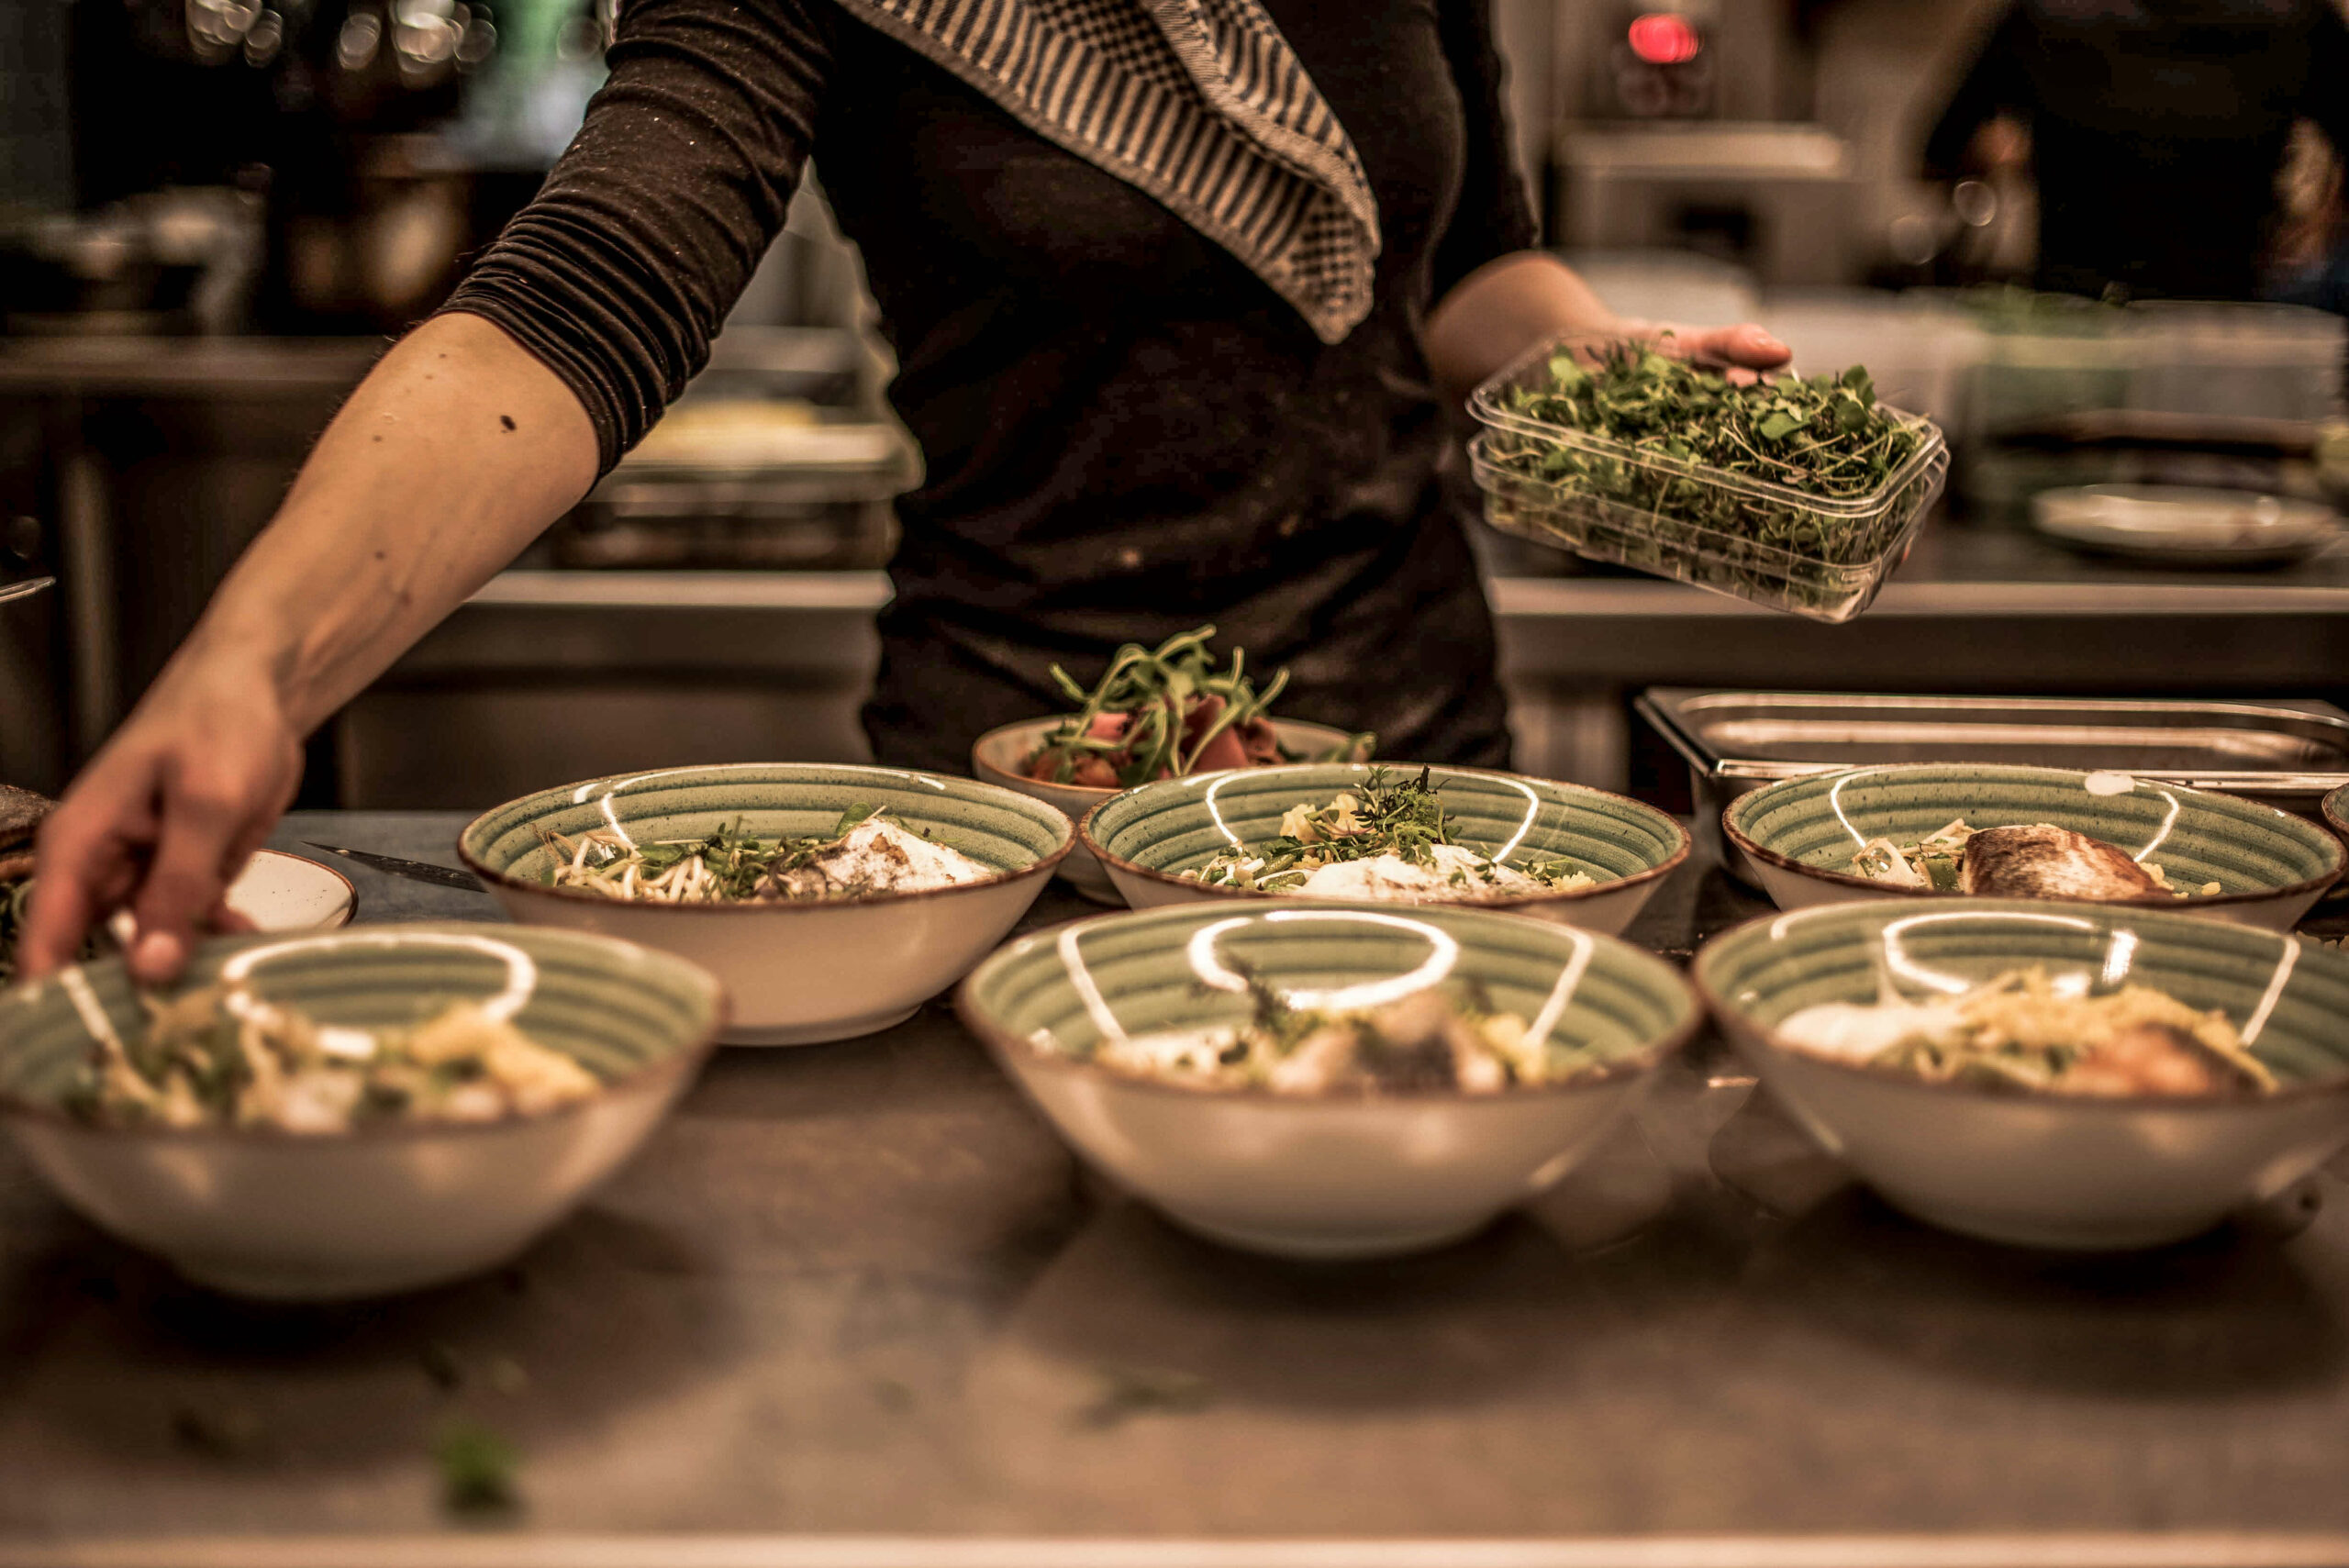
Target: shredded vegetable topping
x: 1383, y: 840
x: 865, y: 853
x: 2021, y: 1030
x: 223, y: 1056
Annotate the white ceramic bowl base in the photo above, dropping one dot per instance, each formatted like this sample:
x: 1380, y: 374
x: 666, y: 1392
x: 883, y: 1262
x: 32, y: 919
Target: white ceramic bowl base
x: 1319, y: 1181
x: 783, y: 976
x: 407, y: 1211
x: 2035, y: 1171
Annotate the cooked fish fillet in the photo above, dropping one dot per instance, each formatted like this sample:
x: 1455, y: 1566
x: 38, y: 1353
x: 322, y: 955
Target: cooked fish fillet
x: 2046, y: 861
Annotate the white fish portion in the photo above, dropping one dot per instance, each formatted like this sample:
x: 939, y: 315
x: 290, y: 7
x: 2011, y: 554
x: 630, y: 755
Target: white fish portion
x: 877, y: 856
x: 1861, y: 1031
x: 1392, y: 876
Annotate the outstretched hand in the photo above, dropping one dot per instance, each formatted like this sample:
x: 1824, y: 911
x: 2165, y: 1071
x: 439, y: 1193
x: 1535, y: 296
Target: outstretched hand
x: 1741, y: 352
x: 161, y: 822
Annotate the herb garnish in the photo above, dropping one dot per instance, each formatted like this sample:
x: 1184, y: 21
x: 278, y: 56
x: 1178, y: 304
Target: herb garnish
x: 728, y: 864
x: 477, y: 1469
x: 1166, y: 709
x: 1376, y: 817
x: 1129, y: 1391
x: 1637, y: 425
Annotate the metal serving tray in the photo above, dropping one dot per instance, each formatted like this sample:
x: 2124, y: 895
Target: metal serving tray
x: 2287, y: 753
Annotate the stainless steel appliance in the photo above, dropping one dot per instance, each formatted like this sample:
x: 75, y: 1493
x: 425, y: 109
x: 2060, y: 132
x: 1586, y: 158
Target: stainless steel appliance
x: 2287, y: 753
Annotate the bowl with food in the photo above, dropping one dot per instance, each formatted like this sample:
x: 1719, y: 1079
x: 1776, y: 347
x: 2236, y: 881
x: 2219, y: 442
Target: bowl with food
x: 830, y: 900
x: 1328, y: 1081
x: 350, y: 1113
x: 1393, y: 831
x: 1933, y: 830
x: 2335, y: 807
x: 2077, y: 1076
x: 1157, y: 713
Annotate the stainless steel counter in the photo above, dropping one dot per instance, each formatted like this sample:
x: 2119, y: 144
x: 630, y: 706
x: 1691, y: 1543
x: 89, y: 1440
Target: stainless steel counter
x: 855, y: 1306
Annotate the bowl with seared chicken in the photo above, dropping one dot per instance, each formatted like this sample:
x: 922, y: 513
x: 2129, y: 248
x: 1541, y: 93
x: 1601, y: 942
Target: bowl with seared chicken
x: 2063, y: 1075
x: 1937, y: 829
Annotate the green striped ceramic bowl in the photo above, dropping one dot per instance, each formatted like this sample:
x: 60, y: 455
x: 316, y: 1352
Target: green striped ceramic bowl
x: 1337, y: 1176
x: 794, y: 971
x: 389, y: 1207
x: 1800, y: 834
x: 1149, y: 837
x: 2043, y: 1169
x: 2336, y: 811
x: 1001, y: 755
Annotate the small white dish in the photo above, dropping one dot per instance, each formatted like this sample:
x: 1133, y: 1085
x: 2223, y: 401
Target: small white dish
x: 278, y: 892
x: 2184, y: 524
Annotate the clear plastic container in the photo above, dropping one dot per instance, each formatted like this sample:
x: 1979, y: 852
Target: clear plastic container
x: 1639, y: 509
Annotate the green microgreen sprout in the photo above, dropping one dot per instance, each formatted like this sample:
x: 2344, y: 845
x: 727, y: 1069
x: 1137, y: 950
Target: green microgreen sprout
x: 1659, y: 465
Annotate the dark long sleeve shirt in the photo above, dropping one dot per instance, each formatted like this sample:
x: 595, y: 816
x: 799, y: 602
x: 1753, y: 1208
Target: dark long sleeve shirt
x: 2157, y: 128
x: 1126, y: 431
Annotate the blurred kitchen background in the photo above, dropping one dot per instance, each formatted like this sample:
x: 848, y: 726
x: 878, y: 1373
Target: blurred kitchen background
x: 213, y: 214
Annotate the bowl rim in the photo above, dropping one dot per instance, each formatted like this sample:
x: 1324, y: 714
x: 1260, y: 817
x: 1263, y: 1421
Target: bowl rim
x: 2335, y: 807
x: 2150, y: 903
x: 1012, y: 1052
x: 1028, y: 803
x: 985, y: 772
x: 1721, y: 1010
x: 1670, y: 864
x: 686, y: 1058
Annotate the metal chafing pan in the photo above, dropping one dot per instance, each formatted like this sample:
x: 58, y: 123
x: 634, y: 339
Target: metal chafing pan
x: 2287, y: 753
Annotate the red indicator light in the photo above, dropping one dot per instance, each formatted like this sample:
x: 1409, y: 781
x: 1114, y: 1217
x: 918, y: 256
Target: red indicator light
x: 1662, y: 39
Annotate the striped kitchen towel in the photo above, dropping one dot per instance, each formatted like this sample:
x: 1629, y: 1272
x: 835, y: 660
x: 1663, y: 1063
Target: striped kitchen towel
x: 1199, y: 103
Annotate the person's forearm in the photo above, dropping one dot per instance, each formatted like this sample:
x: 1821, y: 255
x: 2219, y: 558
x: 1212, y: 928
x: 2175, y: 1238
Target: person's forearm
x: 456, y: 451
x: 1503, y: 308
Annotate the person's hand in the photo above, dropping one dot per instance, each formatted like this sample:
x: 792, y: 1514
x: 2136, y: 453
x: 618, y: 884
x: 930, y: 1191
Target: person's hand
x: 1740, y: 353
x: 163, y: 819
